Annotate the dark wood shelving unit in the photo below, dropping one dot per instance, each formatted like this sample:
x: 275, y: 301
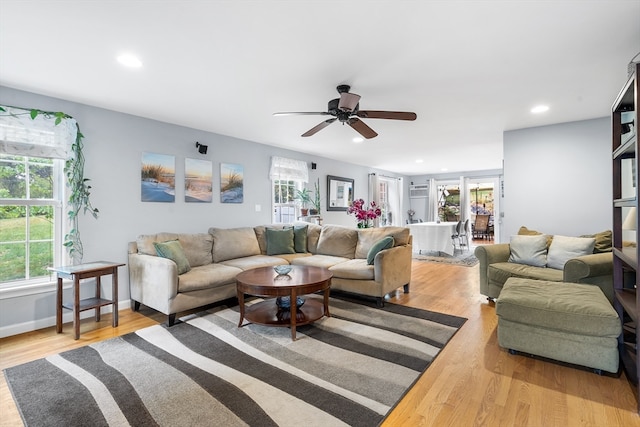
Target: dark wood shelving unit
x: 624, y: 121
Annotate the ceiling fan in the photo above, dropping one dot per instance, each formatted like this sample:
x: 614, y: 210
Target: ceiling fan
x: 346, y: 109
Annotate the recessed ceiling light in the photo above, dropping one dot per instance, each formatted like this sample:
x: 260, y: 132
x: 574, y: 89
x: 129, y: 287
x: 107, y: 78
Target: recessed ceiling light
x: 444, y: 169
x: 539, y: 109
x: 357, y: 140
x: 129, y: 60
x: 419, y: 161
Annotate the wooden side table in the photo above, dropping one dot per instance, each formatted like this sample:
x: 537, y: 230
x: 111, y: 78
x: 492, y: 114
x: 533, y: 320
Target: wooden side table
x: 86, y: 271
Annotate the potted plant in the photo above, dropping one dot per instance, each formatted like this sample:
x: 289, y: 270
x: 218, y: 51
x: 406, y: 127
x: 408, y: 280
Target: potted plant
x: 304, y: 196
x: 315, y: 210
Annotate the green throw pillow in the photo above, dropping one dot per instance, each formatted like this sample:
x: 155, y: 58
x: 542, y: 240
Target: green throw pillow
x: 173, y: 251
x: 384, y: 243
x: 279, y: 241
x: 300, y: 238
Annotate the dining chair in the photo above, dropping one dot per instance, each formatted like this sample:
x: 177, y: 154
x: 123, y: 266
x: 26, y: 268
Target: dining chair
x: 455, y: 237
x: 463, y: 235
x: 481, y: 227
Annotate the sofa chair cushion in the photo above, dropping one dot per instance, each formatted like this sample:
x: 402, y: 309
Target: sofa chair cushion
x: 499, y: 272
x: 338, y: 241
x: 564, y: 248
x: 313, y: 236
x: 382, y: 244
x: 206, y: 277
x: 280, y: 241
x: 529, y: 250
x: 173, y: 251
x: 232, y: 243
x: 145, y: 242
x: 354, y: 269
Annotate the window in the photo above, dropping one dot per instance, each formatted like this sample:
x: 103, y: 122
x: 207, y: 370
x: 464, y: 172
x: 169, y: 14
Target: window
x: 33, y: 149
x: 287, y: 176
x: 284, y: 206
x: 30, y: 212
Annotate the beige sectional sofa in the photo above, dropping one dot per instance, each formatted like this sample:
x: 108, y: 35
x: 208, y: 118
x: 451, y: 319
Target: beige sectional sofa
x: 214, y: 259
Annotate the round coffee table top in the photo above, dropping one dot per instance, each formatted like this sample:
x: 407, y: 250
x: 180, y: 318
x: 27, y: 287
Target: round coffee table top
x: 265, y: 281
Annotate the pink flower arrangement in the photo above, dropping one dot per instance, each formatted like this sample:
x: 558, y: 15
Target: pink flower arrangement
x: 364, y: 214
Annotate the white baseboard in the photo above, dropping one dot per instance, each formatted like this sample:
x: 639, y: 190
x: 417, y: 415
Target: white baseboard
x: 67, y: 316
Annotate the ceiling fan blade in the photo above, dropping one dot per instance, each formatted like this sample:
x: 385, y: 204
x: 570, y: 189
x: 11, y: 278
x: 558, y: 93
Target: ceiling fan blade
x: 362, y: 128
x: 393, y: 115
x: 299, y: 113
x: 319, y: 127
x: 348, y: 101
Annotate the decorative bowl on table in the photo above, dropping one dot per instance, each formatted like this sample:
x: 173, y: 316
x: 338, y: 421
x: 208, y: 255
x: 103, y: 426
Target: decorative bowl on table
x: 284, y: 303
x: 282, y: 269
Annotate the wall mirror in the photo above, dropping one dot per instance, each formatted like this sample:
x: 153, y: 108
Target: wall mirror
x: 339, y: 193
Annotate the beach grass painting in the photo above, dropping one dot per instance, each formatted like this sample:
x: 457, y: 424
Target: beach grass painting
x: 158, y: 173
x: 231, y: 183
x: 198, y: 184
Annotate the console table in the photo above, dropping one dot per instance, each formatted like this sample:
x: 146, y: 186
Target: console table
x: 86, y: 271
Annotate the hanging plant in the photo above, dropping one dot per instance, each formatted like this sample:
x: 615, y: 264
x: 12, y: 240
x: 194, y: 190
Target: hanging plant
x: 78, y: 185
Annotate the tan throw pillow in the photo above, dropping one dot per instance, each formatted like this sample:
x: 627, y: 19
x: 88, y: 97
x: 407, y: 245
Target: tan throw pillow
x: 529, y: 250
x: 604, y: 241
x: 564, y: 248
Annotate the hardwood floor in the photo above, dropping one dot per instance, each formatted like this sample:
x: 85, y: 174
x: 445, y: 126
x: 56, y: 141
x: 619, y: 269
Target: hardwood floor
x: 472, y: 382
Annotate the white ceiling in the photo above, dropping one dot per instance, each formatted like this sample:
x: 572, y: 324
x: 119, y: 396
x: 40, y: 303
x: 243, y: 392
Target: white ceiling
x: 469, y: 69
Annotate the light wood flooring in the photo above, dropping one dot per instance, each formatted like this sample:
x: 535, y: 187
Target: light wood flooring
x: 472, y: 382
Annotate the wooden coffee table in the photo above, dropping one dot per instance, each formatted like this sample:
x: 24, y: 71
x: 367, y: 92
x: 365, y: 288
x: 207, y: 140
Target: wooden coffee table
x: 265, y: 282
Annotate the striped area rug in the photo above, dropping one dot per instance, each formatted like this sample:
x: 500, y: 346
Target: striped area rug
x: 349, y: 369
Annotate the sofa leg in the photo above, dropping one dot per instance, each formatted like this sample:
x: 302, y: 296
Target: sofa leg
x: 171, y: 319
x: 406, y: 288
x: 135, y: 305
x: 380, y: 302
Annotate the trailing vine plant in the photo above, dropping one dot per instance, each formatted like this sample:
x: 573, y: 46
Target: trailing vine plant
x: 79, y: 188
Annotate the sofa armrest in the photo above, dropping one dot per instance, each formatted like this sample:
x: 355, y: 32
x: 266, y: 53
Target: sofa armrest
x: 153, y: 281
x: 588, y: 266
x: 392, y: 267
x: 487, y: 255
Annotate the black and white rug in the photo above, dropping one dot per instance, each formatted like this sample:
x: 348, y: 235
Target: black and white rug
x: 460, y: 257
x: 349, y: 369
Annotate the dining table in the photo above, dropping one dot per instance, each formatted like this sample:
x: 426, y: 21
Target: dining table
x: 433, y: 236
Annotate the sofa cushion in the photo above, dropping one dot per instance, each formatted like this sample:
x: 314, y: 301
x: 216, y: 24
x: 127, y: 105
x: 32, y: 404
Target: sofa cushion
x: 564, y: 248
x: 367, y: 237
x: 325, y: 261
x: 354, y: 269
x: 145, y: 242
x: 300, y: 238
x: 279, y: 241
x: 338, y: 241
x: 255, y: 261
x: 207, y: 277
x: 604, y: 241
x: 499, y: 272
x: 313, y: 236
x: 529, y: 250
x: 173, y: 251
x: 197, y: 247
x: 231, y: 243
x: 384, y: 243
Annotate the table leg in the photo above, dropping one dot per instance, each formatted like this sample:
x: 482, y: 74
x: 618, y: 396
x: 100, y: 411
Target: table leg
x: 326, y: 302
x: 114, y: 296
x: 241, y: 305
x: 293, y: 311
x: 76, y: 306
x: 59, y: 305
x: 98, y: 297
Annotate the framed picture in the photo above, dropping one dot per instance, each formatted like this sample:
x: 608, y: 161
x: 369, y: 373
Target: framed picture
x: 157, y: 178
x: 198, y: 182
x: 231, y: 183
x: 339, y: 193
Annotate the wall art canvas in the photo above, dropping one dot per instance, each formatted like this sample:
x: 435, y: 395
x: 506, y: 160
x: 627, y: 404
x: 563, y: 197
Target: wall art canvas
x: 231, y: 183
x: 198, y: 184
x: 158, y: 173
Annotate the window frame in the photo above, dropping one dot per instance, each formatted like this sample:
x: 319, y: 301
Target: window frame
x: 44, y: 283
x: 296, y: 185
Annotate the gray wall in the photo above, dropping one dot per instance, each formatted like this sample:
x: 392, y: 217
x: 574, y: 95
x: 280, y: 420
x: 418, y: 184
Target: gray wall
x: 114, y: 143
x: 557, y: 179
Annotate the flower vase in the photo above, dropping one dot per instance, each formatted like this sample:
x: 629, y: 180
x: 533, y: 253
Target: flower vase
x: 364, y: 224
